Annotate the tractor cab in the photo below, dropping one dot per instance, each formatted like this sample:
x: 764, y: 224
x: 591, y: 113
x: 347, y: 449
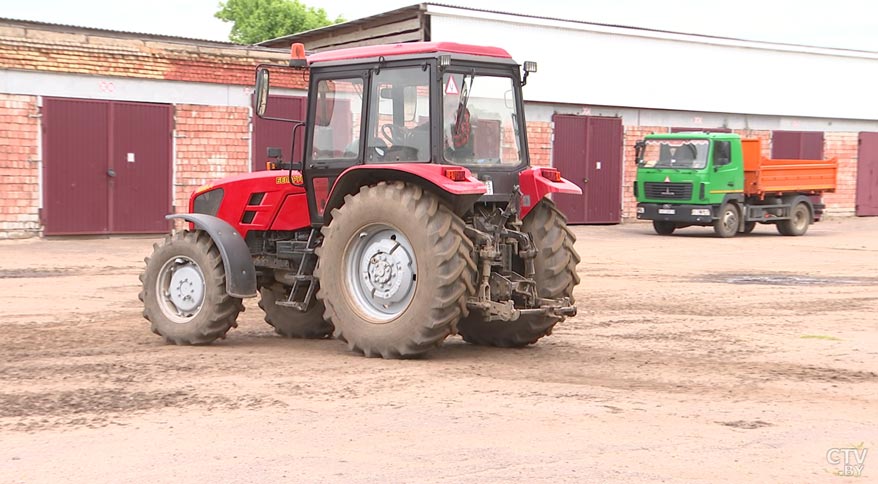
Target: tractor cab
x: 424, y: 103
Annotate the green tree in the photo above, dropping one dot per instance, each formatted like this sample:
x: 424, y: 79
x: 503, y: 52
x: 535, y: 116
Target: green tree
x: 258, y: 20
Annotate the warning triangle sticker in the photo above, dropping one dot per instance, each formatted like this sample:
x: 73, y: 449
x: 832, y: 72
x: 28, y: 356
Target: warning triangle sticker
x: 451, y: 87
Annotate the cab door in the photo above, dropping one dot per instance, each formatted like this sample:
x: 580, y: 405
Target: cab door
x: 727, y: 173
x: 334, y: 133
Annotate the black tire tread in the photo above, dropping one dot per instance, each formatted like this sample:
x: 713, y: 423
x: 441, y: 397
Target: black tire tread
x: 221, y: 316
x: 454, y: 281
x: 289, y: 322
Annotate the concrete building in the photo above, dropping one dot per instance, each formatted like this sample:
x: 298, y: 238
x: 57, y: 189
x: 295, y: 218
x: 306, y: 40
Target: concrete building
x: 104, y: 132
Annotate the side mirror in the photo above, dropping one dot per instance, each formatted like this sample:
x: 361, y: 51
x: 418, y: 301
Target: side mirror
x: 261, y: 99
x: 638, y: 152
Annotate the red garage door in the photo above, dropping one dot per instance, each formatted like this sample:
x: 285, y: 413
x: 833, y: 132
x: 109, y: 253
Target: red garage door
x: 797, y: 145
x: 588, y: 151
x: 278, y: 134
x: 107, y: 167
x: 867, y: 175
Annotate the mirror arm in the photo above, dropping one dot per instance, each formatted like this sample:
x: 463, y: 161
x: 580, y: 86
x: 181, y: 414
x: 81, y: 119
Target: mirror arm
x: 293, y: 165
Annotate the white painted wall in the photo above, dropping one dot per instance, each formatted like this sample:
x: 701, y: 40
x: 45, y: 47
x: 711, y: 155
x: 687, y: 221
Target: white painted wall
x: 128, y: 89
x: 611, y: 66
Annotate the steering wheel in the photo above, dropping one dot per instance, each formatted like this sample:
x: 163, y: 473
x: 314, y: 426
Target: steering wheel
x: 395, y: 133
x: 377, y: 150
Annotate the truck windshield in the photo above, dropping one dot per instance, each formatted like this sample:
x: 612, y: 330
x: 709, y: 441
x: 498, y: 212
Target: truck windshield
x: 480, y: 120
x: 676, y: 153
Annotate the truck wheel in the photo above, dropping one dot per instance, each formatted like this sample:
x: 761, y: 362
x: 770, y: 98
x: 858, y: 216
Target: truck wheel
x: 184, y: 290
x: 727, y: 224
x: 663, y: 228
x: 748, y: 227
x: 290, y: 322
x: 395, y: 271
x: 800, y: 218
x: 555, y: 276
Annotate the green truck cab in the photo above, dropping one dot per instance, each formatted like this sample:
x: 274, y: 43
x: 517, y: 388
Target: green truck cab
x: 722, y: 180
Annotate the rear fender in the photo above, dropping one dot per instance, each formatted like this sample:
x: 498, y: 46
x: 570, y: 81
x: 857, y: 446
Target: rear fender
x: 460, y: 195
x: 534, y: 186
x: 238, y: 264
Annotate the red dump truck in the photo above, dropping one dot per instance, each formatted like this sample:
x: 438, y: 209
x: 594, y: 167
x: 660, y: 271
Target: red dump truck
x: 719, y: 179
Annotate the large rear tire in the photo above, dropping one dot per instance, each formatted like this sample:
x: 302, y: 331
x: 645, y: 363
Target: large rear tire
x: 555, y: 276
x: 395, y: 271
x: 184, y: 290
x: 800, y: 218
x: 290, y: 322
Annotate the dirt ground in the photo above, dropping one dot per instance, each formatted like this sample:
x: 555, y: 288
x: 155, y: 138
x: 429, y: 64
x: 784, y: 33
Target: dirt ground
x: 692, y: 359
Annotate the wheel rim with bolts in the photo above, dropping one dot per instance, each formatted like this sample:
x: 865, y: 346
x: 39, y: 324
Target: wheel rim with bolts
x: 730, y: 220
x: 380, y: 272
x: 180, y: 289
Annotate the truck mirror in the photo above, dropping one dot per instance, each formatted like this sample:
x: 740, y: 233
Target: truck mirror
x: 638, y: 152
x: 261, y: 91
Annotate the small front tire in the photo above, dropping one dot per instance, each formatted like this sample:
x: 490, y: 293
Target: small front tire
x: 184, y: 290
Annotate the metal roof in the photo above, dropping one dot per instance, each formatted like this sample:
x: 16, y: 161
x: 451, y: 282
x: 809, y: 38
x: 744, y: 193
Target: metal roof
x: 424, y: 8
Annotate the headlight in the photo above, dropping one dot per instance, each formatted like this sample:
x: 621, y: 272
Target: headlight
x: 701, y: 211
x: 641, y: 210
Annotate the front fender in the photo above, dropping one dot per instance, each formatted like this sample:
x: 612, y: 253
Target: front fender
x: 240, y: 272
x: 534, y: 186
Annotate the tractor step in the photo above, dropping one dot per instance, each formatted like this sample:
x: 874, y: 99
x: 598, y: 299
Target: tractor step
x: 304, y: 280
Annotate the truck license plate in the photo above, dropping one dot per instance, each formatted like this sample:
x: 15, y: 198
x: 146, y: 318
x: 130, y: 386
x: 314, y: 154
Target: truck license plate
x: 667, y: 211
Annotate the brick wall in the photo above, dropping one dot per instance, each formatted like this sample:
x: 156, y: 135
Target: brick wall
x: 19, y: 168
x: 36, y: 48
x: 211, y: 143
x: 844, y: 147
x: 539, y: 143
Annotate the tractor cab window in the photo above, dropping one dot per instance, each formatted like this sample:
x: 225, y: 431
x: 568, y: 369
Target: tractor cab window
x: 337, y: 118
x: 399, y: 116
x: 480, y: 120
x: 676, y: 153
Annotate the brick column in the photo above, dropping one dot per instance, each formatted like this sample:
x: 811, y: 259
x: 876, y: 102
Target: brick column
x: 844, y: 147
x: 19, y: 167
x: 211, y: 143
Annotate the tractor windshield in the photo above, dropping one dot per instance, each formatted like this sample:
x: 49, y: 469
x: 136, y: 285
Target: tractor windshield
x: 480, y: 120
x: 676, y: 153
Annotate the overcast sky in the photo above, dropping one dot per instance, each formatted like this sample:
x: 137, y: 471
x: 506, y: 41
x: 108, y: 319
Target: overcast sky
x: 849, y: 24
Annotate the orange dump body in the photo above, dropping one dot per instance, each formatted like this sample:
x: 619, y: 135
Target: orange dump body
x: 763, y: 176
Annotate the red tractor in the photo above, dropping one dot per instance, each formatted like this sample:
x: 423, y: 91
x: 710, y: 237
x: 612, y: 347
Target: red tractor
x: 414, y: 214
